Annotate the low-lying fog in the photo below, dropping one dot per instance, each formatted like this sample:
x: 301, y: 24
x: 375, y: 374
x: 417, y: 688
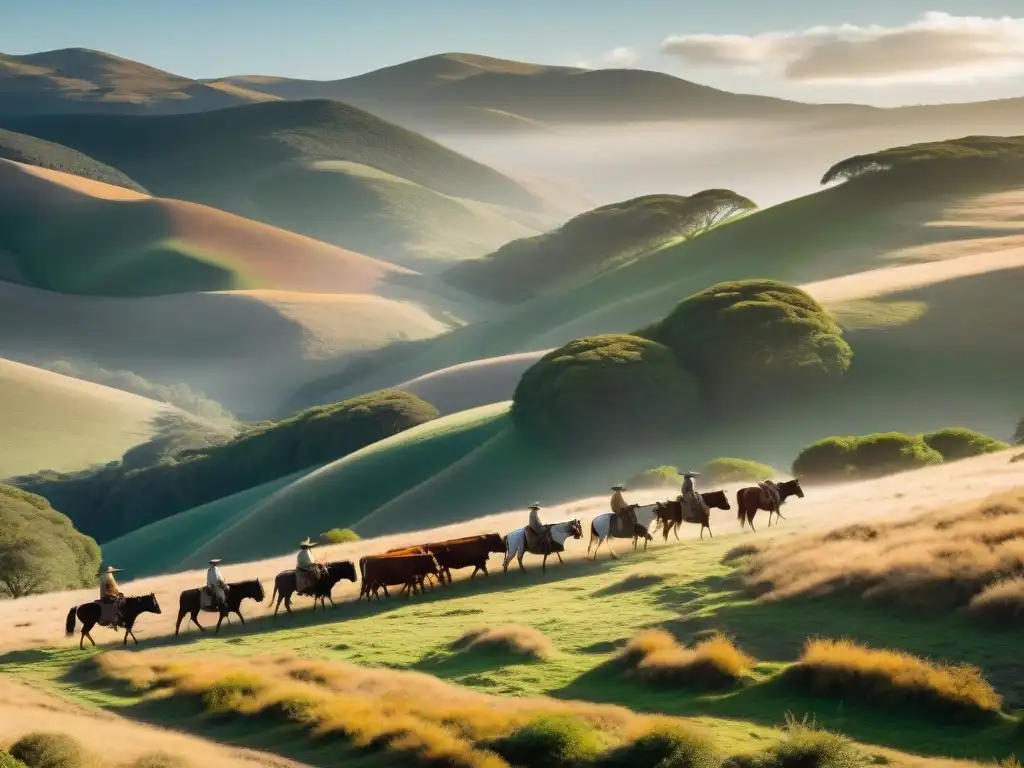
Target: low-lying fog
x: 768, y: 161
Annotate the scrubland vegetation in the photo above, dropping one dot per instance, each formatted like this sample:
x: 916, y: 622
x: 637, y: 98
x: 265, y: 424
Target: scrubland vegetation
x: 654, y: 656
x: 512, y: 639
x: 57, y: 750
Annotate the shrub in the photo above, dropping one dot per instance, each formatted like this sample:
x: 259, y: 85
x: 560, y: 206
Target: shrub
x: 720, y: 471
x: 7, y: 761
x: 592, y: 392
x: 762, y: 331
x: 1000, y: 603
x: 159, y: 760
x: 40, y: 550
x: 846, y: 458
x: 803, y: 745
x: 49, y: 750
x: 658, y: 477
x: 509, y: 638
x: 955, y: 443
x: 664, y: 747
x: 112, y: 501
x: 845, y: 669
x: 654, y: 656
x: 551, y: 741
x: 339, y: 536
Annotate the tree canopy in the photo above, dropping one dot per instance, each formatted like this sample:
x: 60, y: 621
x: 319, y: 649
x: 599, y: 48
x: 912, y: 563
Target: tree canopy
x: 40, y: 550
x: 969, y: 149
x: 848, y: 458
x: 154, y: 482
x: 956, y: 443
x: 599, y: 391
x: 592, y: 241
x: 753, y: 333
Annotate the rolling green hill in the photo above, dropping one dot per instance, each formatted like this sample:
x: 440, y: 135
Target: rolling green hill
x: 593, y: 242
x: 214, y: 157
x: 46, y: 154
x: 75, y: 80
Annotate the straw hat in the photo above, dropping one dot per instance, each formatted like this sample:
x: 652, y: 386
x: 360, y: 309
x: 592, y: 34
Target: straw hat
x: 307, y: 544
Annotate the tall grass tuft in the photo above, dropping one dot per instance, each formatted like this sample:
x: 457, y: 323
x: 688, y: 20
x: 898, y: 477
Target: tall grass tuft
x: 664, y: 746
x: 804, y: 745
x: 550, y: 742
x: 50, y: 750
x: 512, y: 639
x: 845, y: 669
x: 654, y: 656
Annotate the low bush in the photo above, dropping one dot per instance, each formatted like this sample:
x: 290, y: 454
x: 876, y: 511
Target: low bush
x: 339, y: 536
x: 848, y: 458
x: 654, y: 656
x: 512, y: 639
x: 49, y: 750
x: 722, y: 471
x: 671, y: 746
x: 159, y: 760
x: 803, y: 745
x: 955, y: 443
x: 8, y: 761
x: 658, y: 477
x: 550, y: 742
x: 847, y: 670
x: 1001, y: 603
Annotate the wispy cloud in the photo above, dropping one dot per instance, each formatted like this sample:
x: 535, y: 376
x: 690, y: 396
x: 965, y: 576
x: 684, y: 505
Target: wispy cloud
x: 617, y: 58
x: 938, y: 47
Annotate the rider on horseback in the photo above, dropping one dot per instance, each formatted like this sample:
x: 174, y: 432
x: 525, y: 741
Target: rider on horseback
x: 541, y: 532
x: 110, y: 595
x: 216, y: 588
x: 626, y: 513
x: 689, y: 496
x: 307, y: 571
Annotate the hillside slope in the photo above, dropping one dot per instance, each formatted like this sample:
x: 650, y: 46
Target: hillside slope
x: 49, y: 421
x: 75, y: 80
x: 45, y: 154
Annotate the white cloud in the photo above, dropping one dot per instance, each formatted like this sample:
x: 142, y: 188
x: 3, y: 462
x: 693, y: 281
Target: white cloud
x: 937, y: 47
x: 620, y: 57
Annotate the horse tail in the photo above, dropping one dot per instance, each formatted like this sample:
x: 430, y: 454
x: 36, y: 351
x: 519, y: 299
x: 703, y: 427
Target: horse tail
x: 273, y: 597
x: 739, y: 505
x: 69, y: 625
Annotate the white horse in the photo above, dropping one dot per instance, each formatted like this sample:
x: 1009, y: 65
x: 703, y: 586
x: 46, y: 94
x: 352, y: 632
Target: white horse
x: 601, y: 527
x: 515, y: 543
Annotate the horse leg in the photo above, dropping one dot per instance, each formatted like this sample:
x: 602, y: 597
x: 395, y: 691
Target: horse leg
x: 675, y: 530
x: 133, y: 637
x: 288, y: 604
x: 177, y: 626
x: 220, y: 619
x: 332, y: 601
x: 519, y: 557
x: 544, y: 564
x: 241, y: 618
x: 195, y: 620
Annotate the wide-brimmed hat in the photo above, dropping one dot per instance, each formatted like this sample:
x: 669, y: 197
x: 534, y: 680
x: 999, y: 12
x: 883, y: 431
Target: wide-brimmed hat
x: 110, y: 569
x: 618, y: 487
x: 691, y: 474
x: 535, y: 505
x: 307, y: 543
x: 215, y: 561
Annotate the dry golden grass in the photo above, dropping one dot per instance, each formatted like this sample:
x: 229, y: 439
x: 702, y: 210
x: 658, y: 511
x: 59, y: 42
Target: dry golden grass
x: 1001, y: 602
x: 943, y: 559
x: 512, y: 639
x: 845, y: 669
x: 654, y: 656
x: 416, y: 718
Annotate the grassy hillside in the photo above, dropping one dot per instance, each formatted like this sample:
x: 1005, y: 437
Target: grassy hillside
x: 383, y: 215
x: 45, y: 154
x: 74, y: 235
x: 593, y: 242
x: 55, y: 422
x: 75, y: 80
x: 949, y: 686
x: 121, y: 497
x: 216, y: 157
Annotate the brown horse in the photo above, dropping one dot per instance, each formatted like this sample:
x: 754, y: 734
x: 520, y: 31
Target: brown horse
x: 671, y: 514
x: 749, y: 500
x: 91, y: 614
x: 190, y: 603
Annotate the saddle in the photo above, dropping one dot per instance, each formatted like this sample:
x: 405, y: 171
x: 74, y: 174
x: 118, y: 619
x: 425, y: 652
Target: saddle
x: 542, y: 543
x: 770, y: 497
x: 207, y: 600
x: 625, y: 524
x: 110, y: 614
x: 692, y: 510
x: 306, y: 582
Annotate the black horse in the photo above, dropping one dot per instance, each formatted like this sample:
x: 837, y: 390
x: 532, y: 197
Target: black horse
x: 284, y: 585
x: 190, y: 603
x: 91, y: 613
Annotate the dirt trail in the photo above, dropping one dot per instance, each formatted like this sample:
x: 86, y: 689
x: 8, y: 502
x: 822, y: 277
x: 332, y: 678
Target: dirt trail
x: 39, y: 621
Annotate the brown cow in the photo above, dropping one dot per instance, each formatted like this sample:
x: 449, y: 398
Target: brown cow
x: 390, y: 570
x: 465, y: 552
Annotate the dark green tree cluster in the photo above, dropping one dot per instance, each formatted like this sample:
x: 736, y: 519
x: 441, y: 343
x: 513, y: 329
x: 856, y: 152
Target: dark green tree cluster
x: 600, y: 391
x: 594, y: 240
x: 151, y: 483
x: 40, y: 550
x: 849, y: 458
x: 758, y: 337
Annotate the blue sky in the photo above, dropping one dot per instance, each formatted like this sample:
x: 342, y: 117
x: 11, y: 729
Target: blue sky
x: 337, y: 38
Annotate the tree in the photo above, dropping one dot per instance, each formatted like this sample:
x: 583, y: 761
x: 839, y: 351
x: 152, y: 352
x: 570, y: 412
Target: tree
x: 602, y: 392
x: 753, y: 333
x: 40, y: 550
x: 958, y: 443
x: 712, y: 207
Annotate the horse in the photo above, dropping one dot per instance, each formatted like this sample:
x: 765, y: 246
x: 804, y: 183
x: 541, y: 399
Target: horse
x: 749, y: 500
x: 607, y: 526
x: 91, y: 613
x: 284, y: 585
x: 671, y: 514
x: 517, y: 545
x: 191, y: 603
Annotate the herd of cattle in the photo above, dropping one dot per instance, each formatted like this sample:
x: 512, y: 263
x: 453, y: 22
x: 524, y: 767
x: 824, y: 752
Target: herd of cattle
x: 414, y: 568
